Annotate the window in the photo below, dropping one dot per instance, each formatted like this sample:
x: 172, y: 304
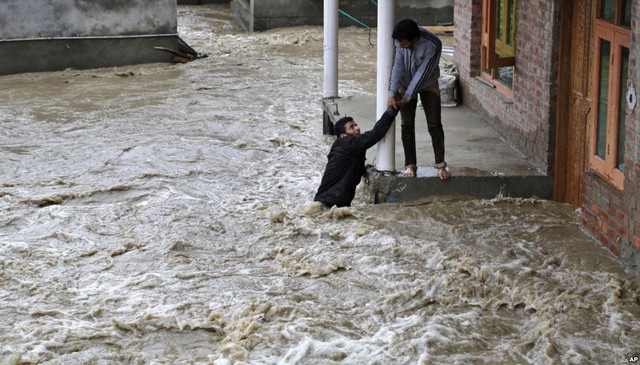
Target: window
x: 499, y: 43
x: 612, y: 40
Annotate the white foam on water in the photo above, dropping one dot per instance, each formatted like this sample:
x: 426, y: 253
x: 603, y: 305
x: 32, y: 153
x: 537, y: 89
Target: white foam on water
x: 163, y: 214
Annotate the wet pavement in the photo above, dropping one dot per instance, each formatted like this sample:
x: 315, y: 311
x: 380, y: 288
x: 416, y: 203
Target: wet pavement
x: 472, y: 147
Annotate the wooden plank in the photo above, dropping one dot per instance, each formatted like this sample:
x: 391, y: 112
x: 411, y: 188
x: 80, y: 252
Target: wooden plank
x: 440, y: 29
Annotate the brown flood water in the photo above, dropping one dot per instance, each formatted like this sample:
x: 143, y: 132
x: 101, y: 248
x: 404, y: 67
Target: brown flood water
x: 162, y: 214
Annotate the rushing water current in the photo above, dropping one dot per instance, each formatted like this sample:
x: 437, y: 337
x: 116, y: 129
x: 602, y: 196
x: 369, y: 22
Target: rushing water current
x: 163, y: 214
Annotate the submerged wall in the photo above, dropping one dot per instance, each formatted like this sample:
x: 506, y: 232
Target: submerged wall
x: 258, y: 15
x: 50, y: 35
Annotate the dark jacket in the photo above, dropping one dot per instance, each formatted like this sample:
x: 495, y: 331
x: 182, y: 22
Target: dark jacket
x: 346, y: 163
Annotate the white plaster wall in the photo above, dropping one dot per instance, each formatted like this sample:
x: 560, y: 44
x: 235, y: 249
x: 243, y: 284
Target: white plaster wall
x: 20, y: 19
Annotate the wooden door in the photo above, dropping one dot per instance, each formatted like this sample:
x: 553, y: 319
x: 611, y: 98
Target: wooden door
x: 574, y: 98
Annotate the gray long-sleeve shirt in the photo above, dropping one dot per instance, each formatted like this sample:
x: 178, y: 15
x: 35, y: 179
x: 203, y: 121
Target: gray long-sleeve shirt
x: 416, y: 67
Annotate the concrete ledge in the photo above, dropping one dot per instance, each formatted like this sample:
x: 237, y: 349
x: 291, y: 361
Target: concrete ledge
x: 395, y: 189
x: 53, y: 54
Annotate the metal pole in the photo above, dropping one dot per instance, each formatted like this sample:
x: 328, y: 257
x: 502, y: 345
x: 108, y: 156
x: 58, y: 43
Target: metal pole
x: 385, y: 160
x: 330, y: 48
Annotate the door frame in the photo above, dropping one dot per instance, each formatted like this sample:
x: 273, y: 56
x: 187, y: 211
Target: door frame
x: 563, y: 107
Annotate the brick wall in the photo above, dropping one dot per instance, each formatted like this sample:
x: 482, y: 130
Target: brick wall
x: 527, y: 119
x: 605, y: 213
x: 632, y: 150
x: 467, y: 15
x: 612, y: 216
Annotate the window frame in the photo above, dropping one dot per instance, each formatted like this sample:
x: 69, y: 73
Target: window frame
x: 489, y: 60
x: 619, y: 37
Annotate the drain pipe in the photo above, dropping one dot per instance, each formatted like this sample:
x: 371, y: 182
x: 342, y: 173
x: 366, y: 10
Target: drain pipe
x: 385, y: 158
x: 330, y: 49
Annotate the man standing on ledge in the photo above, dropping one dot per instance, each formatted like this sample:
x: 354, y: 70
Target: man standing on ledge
x: 415, y: 72
x: 346, y: 159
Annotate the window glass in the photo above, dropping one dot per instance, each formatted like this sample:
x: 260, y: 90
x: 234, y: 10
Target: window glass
x: 505, y: 76
x: 610, y: 79
x: 624, y: 76
x: 603, y: 99
x: 501, y: 12
x: 608, y: 10
x: 505, y: 29
x: 497, y: 58
x: 511, y: 20
x: 626, y: 16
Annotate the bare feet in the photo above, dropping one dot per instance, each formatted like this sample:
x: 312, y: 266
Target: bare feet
x: 410, y: 171
x: 443, y: 174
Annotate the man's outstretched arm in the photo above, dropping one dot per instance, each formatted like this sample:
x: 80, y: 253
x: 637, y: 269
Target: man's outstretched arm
x: 369, y: 138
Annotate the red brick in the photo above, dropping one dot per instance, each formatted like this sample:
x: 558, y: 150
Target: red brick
x: 624, y: 233
x: 611, y: 222
x: 615, y: 249
x: 602, y: 224
x: 610, y: 235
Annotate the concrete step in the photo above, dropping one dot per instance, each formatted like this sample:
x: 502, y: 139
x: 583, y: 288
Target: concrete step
x: 396, y: 189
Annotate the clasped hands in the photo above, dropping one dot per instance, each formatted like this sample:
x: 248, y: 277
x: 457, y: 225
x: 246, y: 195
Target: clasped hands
x: 397, y: 102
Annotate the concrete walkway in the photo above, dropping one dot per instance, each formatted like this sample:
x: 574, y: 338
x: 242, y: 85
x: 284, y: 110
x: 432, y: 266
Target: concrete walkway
x: 482, y: 164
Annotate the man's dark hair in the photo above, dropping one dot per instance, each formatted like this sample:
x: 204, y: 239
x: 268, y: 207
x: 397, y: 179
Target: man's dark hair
x: 406, y: 29
x: 339, y: 127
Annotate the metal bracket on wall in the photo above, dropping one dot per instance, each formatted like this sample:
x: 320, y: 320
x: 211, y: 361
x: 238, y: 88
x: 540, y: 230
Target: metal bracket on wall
x: 631, y: 96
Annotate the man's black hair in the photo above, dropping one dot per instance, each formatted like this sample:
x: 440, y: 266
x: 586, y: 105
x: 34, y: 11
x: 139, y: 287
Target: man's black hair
x: 339, y: 127
x: 406, y: 29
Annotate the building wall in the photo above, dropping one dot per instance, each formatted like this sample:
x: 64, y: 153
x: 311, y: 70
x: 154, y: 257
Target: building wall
x: 527, y: 120
x: 613, y: 216
x: 72, y: 18
x: 468, y: 22
x: 47, y: 35
x: 259, y: 15
x: 632, y: 145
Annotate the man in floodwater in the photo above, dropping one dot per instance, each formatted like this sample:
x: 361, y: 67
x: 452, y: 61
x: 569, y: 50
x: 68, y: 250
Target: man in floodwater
x: 346, y: 159
x: 415, y: 72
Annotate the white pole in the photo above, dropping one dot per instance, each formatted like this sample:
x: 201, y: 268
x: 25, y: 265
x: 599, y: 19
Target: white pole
x: 385, y: 160
x: 330, y: 48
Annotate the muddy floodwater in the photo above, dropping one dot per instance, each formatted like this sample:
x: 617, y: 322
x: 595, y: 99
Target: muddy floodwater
x: 163, y: 214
